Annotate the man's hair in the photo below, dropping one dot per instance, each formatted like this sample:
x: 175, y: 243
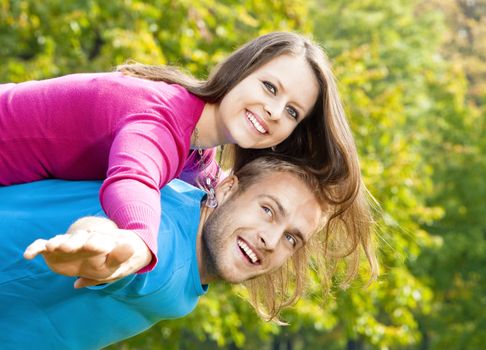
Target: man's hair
x: 345, y: 232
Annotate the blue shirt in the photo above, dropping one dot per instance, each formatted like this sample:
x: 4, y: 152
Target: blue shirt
x: 41, y: 309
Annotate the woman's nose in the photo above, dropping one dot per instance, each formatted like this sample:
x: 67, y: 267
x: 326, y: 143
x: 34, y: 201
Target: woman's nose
x: 274, y: 110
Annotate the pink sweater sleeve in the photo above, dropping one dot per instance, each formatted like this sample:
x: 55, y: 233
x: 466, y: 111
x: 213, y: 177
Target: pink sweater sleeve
x: 145, y: 155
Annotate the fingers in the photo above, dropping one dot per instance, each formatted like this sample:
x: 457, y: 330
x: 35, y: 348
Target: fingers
x: 99, y: 243
x: 92, y: 223
x: 97, y: 256
x: 68, y: 243
x: 67, y: 247
x: 86, y: 282
x: 55, y: 242
x: 35, y: 248
x: 80, y: 242
x: 74, y: 242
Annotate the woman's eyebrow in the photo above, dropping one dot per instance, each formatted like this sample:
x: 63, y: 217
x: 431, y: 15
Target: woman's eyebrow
x: 281, y: 87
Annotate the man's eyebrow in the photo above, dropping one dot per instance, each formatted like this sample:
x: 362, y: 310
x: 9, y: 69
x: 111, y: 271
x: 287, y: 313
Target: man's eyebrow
x: 283, y: 212
x: 296, y: 232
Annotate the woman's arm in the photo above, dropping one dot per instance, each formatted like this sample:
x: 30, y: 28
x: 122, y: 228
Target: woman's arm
x: 146, y: 153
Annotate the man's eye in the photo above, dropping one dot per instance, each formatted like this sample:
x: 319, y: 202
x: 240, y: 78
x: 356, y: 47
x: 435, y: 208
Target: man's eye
x: 270, y: 87
x: 291, y: 239
x: 292, y: 112
x: 267, y: 211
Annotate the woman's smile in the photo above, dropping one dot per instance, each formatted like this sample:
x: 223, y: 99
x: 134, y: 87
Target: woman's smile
x: 264, y: 108
x: 257, y: 123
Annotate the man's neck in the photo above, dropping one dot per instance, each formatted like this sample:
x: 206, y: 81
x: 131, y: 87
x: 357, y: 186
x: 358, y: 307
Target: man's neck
x: 201, y: 262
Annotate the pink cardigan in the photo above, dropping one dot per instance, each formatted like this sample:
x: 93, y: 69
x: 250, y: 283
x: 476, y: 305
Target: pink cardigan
x: 132, y: 132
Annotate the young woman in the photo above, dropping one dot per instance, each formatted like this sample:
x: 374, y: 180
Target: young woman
x: 135, y: 128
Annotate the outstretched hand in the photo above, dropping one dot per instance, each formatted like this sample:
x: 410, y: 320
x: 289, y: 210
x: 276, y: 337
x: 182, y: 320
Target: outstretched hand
x: 94, y: 251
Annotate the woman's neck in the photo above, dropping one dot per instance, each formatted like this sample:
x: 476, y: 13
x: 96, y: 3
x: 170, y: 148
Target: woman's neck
x: 208, y: 132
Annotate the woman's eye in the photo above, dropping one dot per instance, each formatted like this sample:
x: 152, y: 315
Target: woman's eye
x: 291, y: 239
x: 292, y: 112
x: 270, y: 87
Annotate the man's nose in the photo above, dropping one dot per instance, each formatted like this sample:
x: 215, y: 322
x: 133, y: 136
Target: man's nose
x: 269, y: 240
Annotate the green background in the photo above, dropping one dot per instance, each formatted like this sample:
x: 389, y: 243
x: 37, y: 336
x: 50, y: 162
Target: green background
x: 412, y: 77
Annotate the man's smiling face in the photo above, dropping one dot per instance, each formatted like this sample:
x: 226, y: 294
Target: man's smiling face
x: 255, y: 231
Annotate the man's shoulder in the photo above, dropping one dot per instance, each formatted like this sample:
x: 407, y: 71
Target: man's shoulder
x: 183, y: 192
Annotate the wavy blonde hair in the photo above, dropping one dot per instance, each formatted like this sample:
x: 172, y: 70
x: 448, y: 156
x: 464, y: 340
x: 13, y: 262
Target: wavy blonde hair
x: 346, y: 233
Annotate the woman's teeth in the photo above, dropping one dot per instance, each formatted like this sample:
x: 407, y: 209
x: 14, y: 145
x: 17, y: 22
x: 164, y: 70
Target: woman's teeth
x: 255, y: 123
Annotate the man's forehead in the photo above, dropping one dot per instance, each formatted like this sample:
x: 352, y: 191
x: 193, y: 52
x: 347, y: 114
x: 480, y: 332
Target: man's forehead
x: 289, y: 192
x: 276, y: 181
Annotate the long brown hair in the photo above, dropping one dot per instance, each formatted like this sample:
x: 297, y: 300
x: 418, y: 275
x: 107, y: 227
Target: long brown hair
x: 323, y: 140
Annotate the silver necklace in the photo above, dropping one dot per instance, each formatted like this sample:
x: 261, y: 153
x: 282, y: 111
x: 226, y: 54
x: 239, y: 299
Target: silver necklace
x: 209, y: 182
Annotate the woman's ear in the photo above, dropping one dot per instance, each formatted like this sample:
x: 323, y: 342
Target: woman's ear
x: 226, y: 188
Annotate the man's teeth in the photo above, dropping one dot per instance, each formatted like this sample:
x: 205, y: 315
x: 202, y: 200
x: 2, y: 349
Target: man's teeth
x: 248, y: 251
x: 255, y: 123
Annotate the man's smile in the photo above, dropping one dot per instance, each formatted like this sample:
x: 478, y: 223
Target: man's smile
x: 248, y: 252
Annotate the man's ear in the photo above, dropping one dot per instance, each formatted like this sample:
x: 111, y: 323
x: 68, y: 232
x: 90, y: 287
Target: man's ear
x: 226, y: 189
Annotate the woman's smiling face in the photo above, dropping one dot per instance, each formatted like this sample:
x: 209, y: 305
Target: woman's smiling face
x: 264, y: 108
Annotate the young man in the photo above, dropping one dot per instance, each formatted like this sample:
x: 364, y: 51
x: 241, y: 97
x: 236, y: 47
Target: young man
x: 266, y: 214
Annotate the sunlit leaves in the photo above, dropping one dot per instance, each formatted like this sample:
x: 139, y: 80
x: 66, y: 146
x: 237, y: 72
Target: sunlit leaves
x: 419, y: 125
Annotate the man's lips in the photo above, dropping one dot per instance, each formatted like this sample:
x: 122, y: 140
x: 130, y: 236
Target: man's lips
x: 248, y: 251
x: 256, y: 122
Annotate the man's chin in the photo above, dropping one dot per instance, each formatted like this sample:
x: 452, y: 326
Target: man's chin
x: 232, y: 279
x: 235, y: 280
x: 229, y: 276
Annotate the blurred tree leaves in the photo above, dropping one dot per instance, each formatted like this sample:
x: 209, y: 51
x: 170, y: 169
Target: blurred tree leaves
x: 411, y: 74
x: 43, y: 39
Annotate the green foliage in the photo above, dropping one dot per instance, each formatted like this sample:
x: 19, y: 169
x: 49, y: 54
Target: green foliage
x: 417, y: 135
x: 457, y: 154
x: 382, y: 52
x: 413, y: 89
x: 43, y: 39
